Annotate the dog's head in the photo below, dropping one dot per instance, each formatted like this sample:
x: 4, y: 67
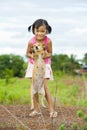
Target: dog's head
x: 38, y: 48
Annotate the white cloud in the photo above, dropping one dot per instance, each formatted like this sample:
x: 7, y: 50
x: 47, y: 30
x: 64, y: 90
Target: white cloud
x: 67, y: 18
x: 78, y: 31
x: 10, y: 50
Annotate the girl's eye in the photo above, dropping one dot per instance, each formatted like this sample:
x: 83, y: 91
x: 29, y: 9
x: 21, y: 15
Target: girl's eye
x: 43, y: 31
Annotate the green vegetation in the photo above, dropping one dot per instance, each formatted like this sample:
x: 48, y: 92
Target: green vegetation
x: 75, y: 126
x: 62, y: 127
x: 16, y: 92
x: 11, y: 66
x: 84, y: 127
x: 64, y: 88
x: 85, y: 117
x: 80, y: 113
x: 14, y: 88
x: 15, y: 66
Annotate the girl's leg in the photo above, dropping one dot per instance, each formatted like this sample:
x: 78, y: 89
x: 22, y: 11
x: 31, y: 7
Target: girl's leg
x: 49, y: 100
x: 48, y: 96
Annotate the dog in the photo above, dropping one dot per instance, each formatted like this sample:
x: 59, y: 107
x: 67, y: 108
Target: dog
x: 38, y: 51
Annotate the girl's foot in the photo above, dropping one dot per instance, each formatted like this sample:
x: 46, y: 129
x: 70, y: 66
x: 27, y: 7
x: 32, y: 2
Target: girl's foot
x: 53, y: 114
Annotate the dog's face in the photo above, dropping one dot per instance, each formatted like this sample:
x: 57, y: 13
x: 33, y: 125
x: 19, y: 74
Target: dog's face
x: 38, y: 48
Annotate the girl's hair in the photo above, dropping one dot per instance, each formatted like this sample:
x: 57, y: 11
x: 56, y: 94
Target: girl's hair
x: 38, y: 23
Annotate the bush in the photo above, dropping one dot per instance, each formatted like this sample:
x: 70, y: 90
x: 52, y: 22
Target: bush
x: 80, y: 113
x: 75, y: 126
x: 62, y: 127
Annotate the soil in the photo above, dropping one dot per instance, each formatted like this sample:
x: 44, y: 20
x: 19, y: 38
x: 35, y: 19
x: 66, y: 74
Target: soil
x: 16, y: 117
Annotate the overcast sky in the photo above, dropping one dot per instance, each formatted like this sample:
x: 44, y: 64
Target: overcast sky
x: 68, y: 19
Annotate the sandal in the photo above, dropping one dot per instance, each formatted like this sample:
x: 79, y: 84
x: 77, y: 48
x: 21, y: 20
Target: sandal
x: 34, y: 113
x: 53, y: 114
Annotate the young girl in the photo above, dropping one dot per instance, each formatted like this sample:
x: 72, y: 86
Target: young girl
x: 40, y: 29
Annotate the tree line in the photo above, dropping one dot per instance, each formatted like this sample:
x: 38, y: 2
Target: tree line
x: 15, y: 66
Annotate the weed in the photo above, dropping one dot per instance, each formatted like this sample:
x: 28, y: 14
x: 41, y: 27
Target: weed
x: 75, y: 126
x: 62, y: 127
x: 84, y: 127
x: 85, y: 117
x: 80, y: 113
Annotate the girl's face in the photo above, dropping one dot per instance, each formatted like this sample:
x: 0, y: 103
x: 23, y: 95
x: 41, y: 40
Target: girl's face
x: 40, y: 32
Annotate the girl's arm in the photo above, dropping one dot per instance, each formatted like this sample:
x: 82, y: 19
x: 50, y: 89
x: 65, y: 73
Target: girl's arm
x: 28, y: 52
x: 48, y: 52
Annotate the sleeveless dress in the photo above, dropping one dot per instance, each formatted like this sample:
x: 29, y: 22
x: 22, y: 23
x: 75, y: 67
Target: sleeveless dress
x: 29, y: 70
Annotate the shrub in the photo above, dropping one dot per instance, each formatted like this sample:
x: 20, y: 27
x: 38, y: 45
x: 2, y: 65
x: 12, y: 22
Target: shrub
x: 80, y: 113
x: 62, y: 127
x: 84, y: 127
x: 75, y: 126
x: 85, y: 117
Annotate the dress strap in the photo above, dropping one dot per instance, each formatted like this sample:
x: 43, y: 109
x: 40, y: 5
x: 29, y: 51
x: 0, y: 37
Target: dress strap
x: 46, y: 39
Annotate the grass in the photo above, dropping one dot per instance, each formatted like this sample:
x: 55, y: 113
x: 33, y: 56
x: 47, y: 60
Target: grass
x: 17, y: 91
x: 65, y: 88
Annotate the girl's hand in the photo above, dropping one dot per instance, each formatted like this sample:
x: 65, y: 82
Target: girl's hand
x: 33, y: 56
x: 30, y: 55
x: 45, y: 54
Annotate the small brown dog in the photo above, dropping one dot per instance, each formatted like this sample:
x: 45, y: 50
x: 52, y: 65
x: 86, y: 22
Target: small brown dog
x: 38, y: 51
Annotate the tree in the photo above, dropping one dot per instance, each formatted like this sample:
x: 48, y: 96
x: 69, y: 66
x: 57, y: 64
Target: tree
x: 11, y: 62
x: 16, y: 64
x: 85, y: 59
x: 64, y: 63
x: 73, y: 63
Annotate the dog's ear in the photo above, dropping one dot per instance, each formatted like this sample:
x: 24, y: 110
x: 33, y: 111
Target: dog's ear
x: 32, y: 50
x: 44, y: 47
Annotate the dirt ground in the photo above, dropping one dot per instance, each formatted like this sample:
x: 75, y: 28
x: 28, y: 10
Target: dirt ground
x: 16, y: 117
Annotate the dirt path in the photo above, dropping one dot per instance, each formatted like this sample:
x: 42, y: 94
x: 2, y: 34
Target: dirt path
x: 16, y: 117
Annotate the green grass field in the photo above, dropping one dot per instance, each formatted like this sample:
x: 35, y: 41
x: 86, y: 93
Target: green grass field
x: 67, y: 90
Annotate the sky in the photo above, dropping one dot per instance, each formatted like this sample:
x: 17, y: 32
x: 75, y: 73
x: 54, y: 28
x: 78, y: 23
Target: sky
x: 68, y: 19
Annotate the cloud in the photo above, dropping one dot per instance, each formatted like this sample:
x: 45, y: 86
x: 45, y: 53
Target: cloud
x: 78, y: 31
x: 67, y: 18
